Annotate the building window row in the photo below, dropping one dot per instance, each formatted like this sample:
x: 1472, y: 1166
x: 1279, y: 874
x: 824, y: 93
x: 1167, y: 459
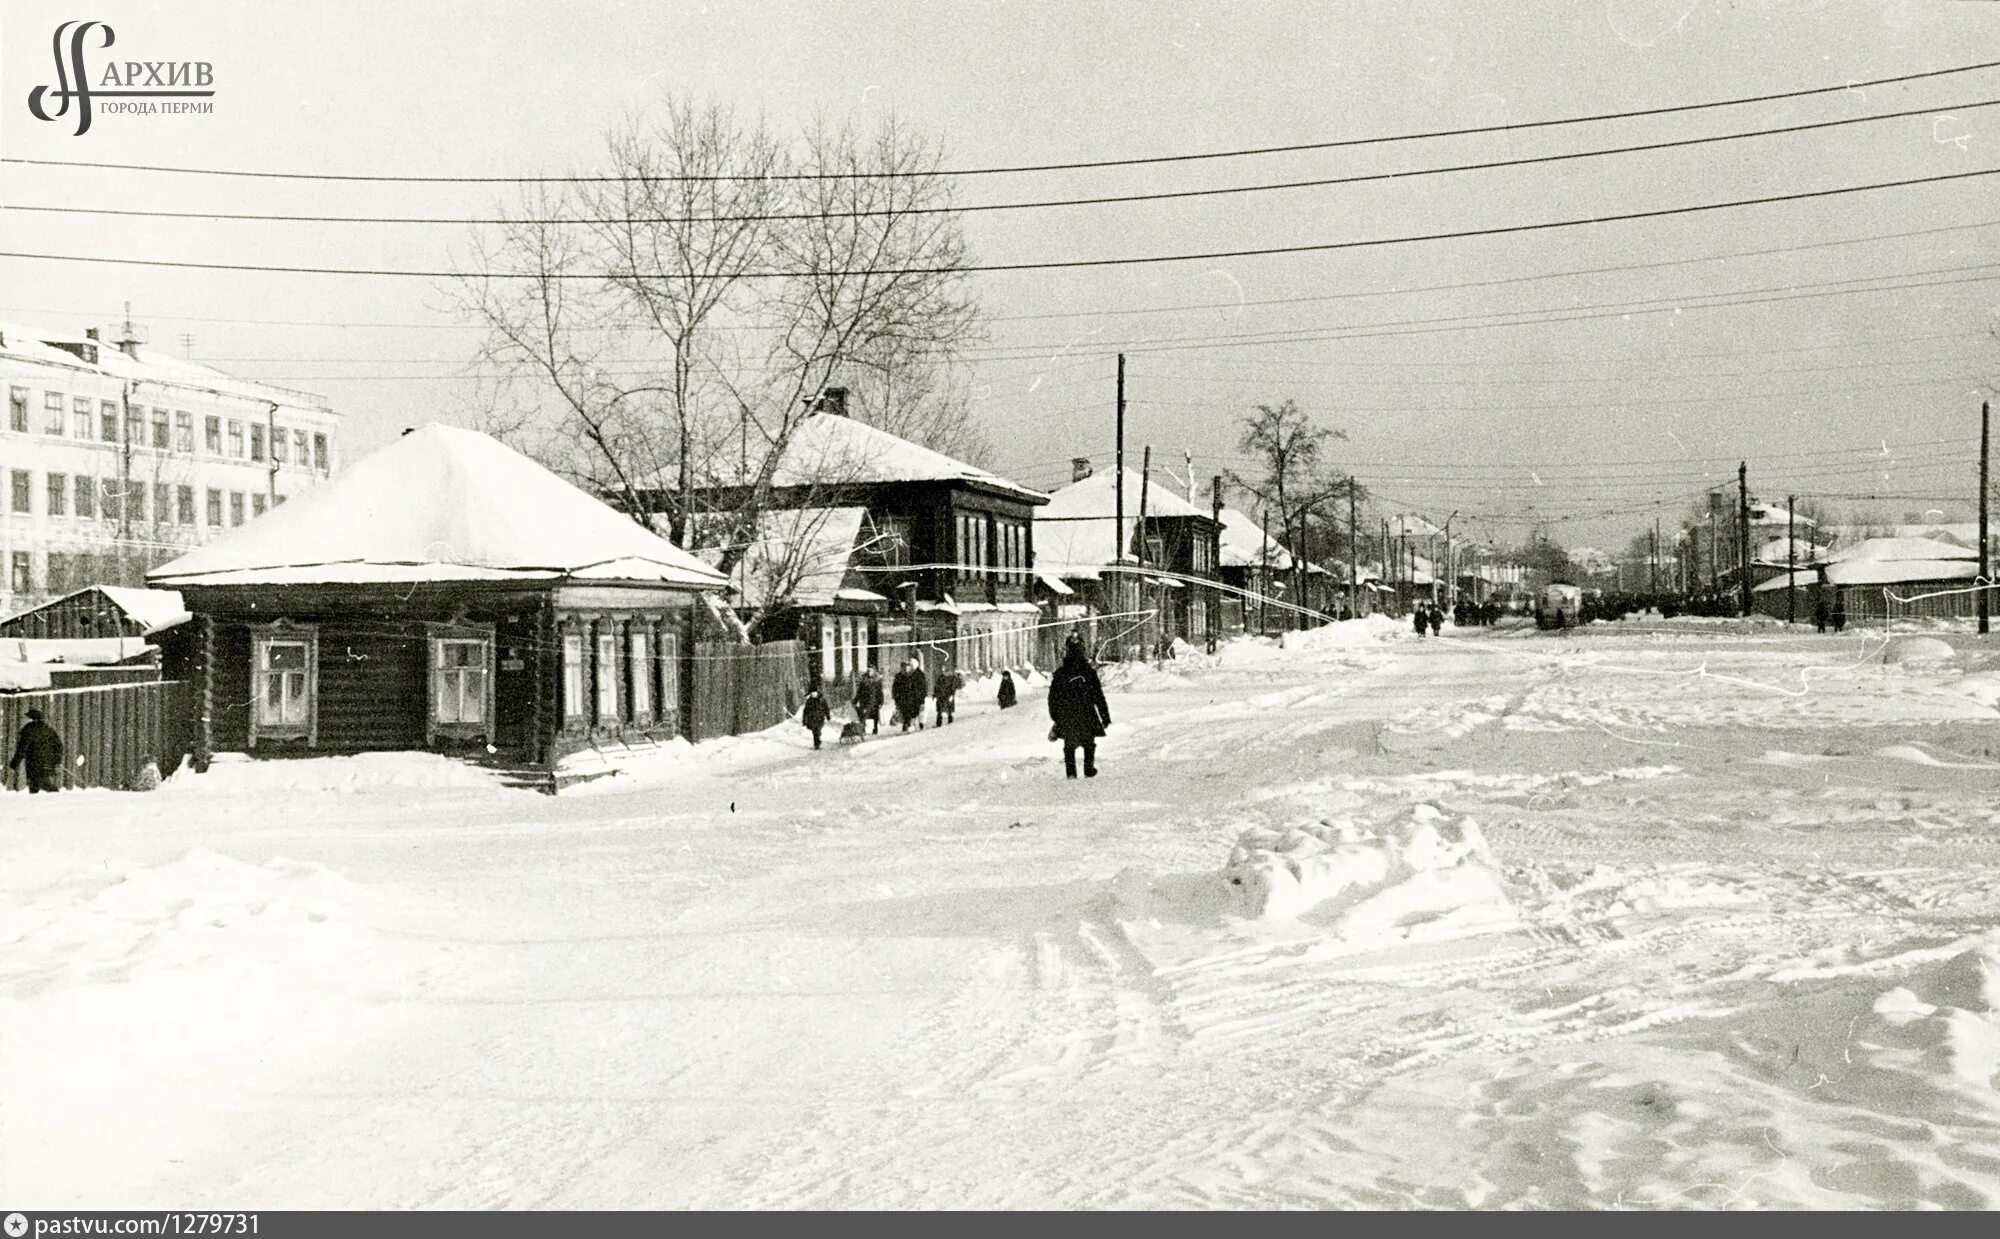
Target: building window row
x: 170, y: 430
x: 618, y: 672
x: 86, y: 496
x: 996, y: 546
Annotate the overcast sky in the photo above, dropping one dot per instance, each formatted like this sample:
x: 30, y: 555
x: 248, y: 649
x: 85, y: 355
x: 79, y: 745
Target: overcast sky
x: 1596, y: 424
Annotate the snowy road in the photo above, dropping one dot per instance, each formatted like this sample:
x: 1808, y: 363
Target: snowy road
x: 1746, y: 954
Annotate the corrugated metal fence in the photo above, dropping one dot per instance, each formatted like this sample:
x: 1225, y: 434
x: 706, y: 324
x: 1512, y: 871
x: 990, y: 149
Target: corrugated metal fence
x: 743, y: 688
x: 108, y: 732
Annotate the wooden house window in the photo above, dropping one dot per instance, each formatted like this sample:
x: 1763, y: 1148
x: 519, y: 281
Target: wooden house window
x: 462, y: 685
x: 572, y: 695
x: 670, y: 672
x: 642, y: 674
x: 284, y: 682
x: 607, y: 674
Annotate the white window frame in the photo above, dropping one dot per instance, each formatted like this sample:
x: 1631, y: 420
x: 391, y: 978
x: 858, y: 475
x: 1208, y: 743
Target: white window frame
x: 573, y: 702
x: 442, y: 638
x: 639, y: 660
x: 828, y: 639
x: 607, y: 676
x: 284, y: 632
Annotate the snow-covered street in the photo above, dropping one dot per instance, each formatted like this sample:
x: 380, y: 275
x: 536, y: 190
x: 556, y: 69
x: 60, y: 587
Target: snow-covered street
x: 1688, y: 914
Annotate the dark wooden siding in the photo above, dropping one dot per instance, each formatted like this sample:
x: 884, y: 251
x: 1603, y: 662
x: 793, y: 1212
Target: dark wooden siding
x: 374, y: 683
x: 85, y: 614
x: 108, y: 733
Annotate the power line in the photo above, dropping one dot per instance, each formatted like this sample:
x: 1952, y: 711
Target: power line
x: 1240, y: 153
x: 1034, y: 204
x: 1054, y: 264
x: 1114, y: 311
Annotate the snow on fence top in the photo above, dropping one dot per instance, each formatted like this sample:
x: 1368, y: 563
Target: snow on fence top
x: 439, y: 504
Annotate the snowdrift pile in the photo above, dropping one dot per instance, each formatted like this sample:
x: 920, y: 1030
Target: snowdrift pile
x: 1356, y: 879
x: 1908, y: 650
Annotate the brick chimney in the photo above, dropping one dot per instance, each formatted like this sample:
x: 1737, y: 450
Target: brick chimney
x: 1079, y: 468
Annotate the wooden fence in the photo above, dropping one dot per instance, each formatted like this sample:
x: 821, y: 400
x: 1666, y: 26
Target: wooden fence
x: 734, y: 689
x: 107, y: 731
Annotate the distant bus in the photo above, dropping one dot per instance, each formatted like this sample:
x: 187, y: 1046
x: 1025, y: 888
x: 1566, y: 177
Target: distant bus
x: 1558, y: 606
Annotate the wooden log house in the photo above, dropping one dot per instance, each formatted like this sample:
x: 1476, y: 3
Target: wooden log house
x: 443, y: 593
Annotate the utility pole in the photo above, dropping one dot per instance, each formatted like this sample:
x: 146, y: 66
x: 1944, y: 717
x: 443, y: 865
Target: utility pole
x: 1215, y: 559
x: 1791, y: 559
x: 1654, y: 566
x: 1388, y: 574
x: 1139, y: 539
x: 1263, y: 567
x: 1714, y: 547
x: 1118, y: 467
x: 1353, y: 553
x: 1743, y: 534
x: 1985, y: 440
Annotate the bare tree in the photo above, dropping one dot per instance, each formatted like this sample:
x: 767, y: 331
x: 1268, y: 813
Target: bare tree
x: 1295, y: 475
x: 678, y: 321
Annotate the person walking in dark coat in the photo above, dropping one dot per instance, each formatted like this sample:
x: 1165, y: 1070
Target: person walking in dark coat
x: 946, y: 692
x: 1420, y: 619
x: 1839, y: 613
x: 1076, y: 707
x: 909, y: 689
x: 1437, y: 621
x: 1819, y: 614
x: 40, y: 750
x: 1006, y: 689
x: 868, y: 699
x: 815, y: 713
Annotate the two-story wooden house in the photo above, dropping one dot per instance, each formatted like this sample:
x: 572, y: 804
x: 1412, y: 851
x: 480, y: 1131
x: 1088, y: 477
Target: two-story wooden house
x: 874, y: 547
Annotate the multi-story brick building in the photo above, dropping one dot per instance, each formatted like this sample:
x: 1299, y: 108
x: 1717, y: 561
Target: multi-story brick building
x: 115, y: 458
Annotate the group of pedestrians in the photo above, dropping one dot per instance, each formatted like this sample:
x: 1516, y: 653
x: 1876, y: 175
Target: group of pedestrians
x: 1078, y: 714
x: 1836, y: 618
x: 1430, y: 617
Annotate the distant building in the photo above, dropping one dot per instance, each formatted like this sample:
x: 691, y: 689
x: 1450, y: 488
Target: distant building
x: 873, y: 547
x: 1159, y: 585
x: 118, y: 457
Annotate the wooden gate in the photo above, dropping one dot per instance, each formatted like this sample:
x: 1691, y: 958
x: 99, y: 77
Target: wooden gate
x: 108, y: 732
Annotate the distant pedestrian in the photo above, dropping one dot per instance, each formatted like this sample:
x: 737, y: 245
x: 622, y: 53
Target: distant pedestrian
x: 40, y: 750
x: 1819, y: 613
x: 1839, y: 613
x: 946, y: 692
x: 868, y: 699
x: 1006, y: 689
x: 1437, y: 621
x: 1421, y: 620
x: 908, y: 690
x: 814, y: 715
x: 1077, y: 710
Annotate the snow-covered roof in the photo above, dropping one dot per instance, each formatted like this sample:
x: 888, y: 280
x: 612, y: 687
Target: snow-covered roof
x: 155, y: 609
x: 1902, y: 549
x: 1246, y: 545
x: 1076, y: 534
x: 801, y: 555
x: 439, y: 504
x: 74, y: 651
x: 142, y: 364
x: 1774, y: 553
x: 829, y: 449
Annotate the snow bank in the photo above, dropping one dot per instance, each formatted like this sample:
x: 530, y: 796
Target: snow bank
x: 1983, y: 688
x: 133, y: 1003
x: 1359, y: 879
x: 361, y: 772
x: 1918, y: 650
